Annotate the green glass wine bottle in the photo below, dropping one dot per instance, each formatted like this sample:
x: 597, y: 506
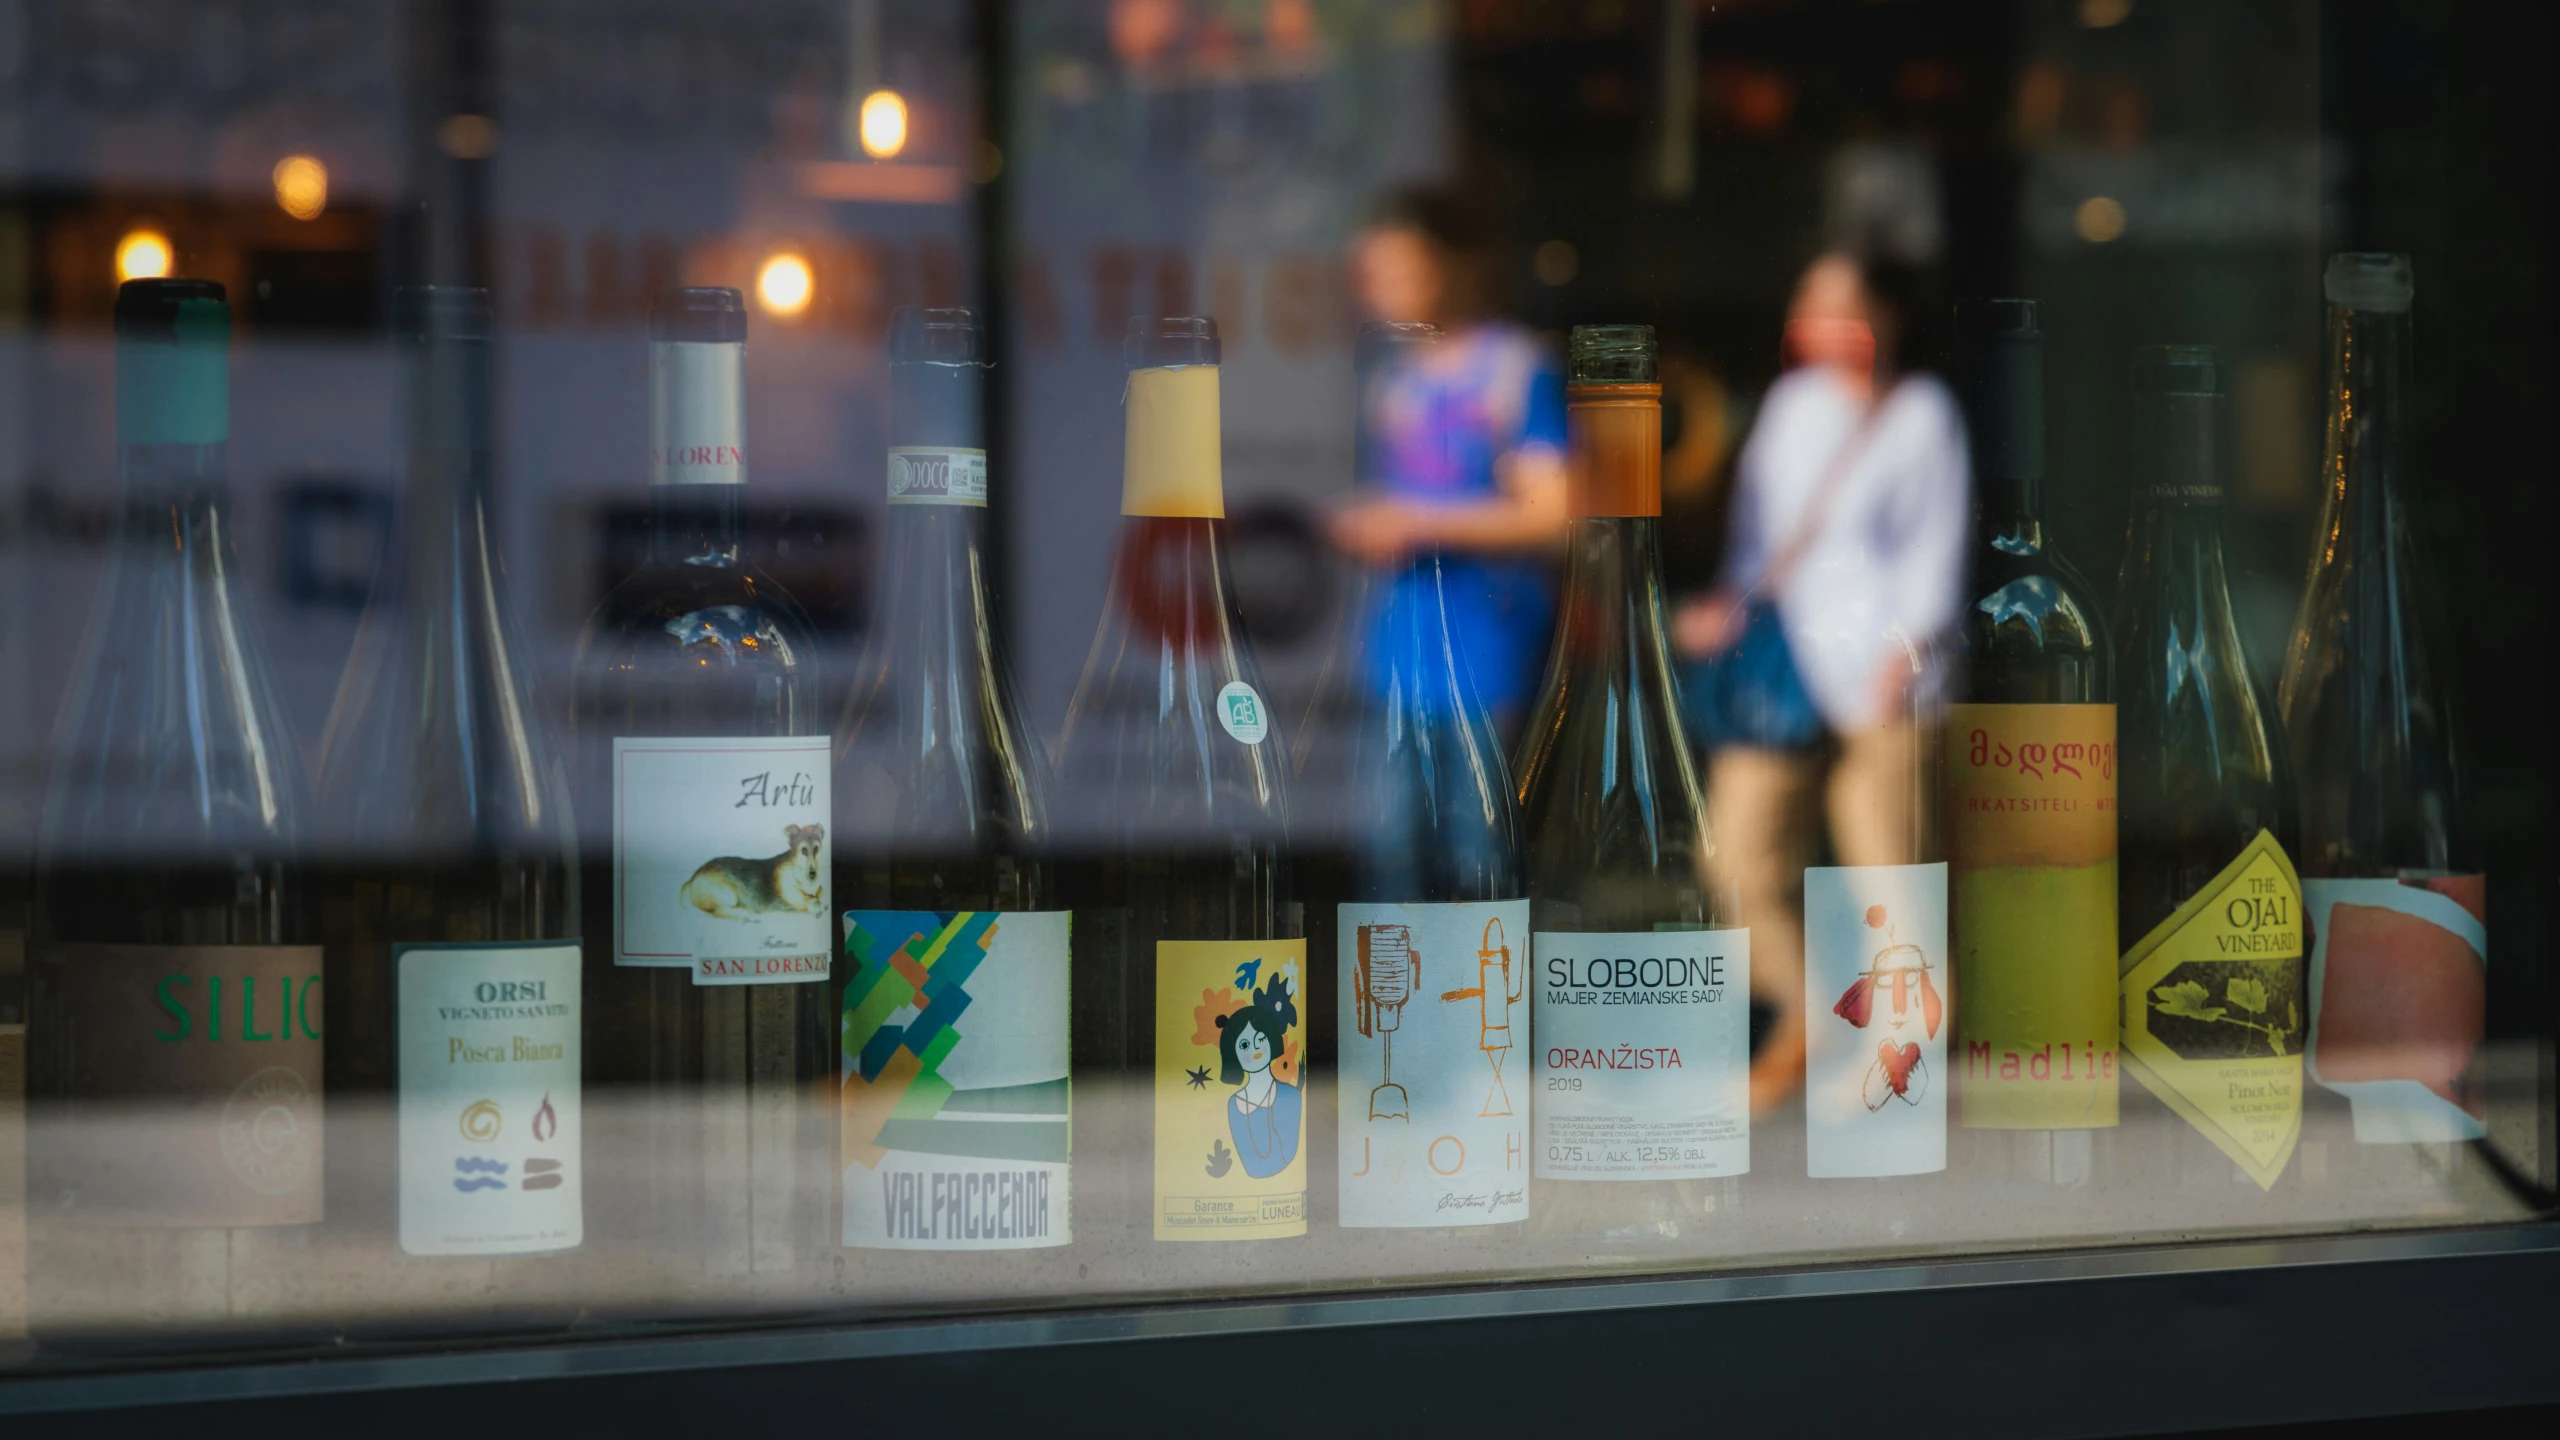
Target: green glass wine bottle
x: 2031, y: 774
x: 2209, y: 915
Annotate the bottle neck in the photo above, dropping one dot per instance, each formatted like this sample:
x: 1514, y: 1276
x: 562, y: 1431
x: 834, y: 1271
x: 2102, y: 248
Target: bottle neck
x: 697, y: 450
x: 2001, y: 378
x: 935, y: 581
x: 2180, y: 462
x: 2368, y: 408
x: 1612, y: 612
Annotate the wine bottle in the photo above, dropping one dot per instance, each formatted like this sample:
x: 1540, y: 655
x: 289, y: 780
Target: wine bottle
x: 175, y: 1022
x: 1192, y: 999
x: 702, y: 745
x: 2209, y: 912
x: 2031, y: 768
x: 1640, y: 1021
x: 449, y: 900
x: 1431, y: 920
x: 2396, y: 905
x: 955, y: 1135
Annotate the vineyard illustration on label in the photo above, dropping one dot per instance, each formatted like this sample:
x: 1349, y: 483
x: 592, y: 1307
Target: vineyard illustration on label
x: 1257, y: 1054
x: 1899, y: 974
x: 793, y: 882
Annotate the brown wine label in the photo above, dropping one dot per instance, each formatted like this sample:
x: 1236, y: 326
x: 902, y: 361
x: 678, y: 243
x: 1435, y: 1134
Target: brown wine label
x: 2214, y: 1010
x: 2031, y: 793
x: 176, y: 1084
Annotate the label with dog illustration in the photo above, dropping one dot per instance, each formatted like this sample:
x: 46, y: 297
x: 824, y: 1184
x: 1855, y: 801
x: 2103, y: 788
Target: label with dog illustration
x: 489, y: 1116
x: 720, y: 856
x: 953, y: 1098
x: 1231, y: 1047
x: 1875, y: 988
x: 1434, y: 1091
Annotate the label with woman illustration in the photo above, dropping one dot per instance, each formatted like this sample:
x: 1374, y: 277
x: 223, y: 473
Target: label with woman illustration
x: 1875, y: 980
x: 1434, y: 1097
x: 1230, y: 1090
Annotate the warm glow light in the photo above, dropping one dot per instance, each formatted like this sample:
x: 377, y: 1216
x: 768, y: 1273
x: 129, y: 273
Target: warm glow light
x: 1555, y: 262
x: 467, y: 137
x: 2104, y: 14
x: 784, y: 285
x: 2098, y: 220
x: 143, y: 255
x: 884, y: 124
x: 302, y: 187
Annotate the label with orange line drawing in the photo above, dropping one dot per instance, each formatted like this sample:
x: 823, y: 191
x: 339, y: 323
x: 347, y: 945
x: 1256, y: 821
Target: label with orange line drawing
x: 953, y: 1094
x: 490, y: 1158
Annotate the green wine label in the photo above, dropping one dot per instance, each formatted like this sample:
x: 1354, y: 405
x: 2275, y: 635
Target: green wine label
x: 183, y: 1081
x: 2214, y: 1010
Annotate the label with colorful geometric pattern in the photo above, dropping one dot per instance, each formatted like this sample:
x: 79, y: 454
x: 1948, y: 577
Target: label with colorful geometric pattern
x: 954, y: 1103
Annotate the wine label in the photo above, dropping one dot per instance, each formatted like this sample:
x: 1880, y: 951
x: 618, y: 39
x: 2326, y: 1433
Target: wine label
x: 1875, y: 1065
x: 1242, y: 713
x: 2399, y: 1001
x: 697, y: 413
x: 187, y: 1082
x: 2031, y: 792
x: 490, y: 1139
x: 1643, y: 1055
x: 2213, y: 1010
x: 953, y: 1096
x: 1230, y: 1090
x: 937, y: 475
x: 1172, y: 464
x: 1434, y: 1106
x: 721, y: 856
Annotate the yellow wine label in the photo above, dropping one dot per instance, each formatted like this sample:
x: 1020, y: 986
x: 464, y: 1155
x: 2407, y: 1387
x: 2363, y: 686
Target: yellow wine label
x: 1172, y: 467
x: 1231, y: 1049
x: 2214, y: 1011
x: 2031, y: 795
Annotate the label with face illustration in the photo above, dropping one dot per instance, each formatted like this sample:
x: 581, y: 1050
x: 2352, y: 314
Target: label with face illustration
x: 1434, y: 1092
x: 721, y: 857
x: 491, y: 1160
x: 1230, y: 1088
x: 1875, y: 988
x: 1643, y: 1053
x: 952, y: 1100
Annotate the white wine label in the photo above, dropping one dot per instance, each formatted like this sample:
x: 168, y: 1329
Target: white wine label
x: 937, y: 475
x: 1643, y: 1046
x: 1434, y: 1103
x: 184, y: 1083
x: 1241, y: 711
x: 2399, y: 1001
x: 721, y: 858
x: 490, y: 1158
x: 697, y: 420
x: 953, y: 1098
x: 1875, y: 978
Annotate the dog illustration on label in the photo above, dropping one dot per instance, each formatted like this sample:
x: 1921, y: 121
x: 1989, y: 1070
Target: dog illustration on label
x: 793, y: 882
x: 1900, y: 972
x: 1383, y: 979
x: 1499, y: 986
x: 1263, y: 1113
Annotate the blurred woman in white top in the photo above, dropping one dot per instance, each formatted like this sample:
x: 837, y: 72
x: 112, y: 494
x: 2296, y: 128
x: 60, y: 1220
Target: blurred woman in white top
x: 1849, y: 513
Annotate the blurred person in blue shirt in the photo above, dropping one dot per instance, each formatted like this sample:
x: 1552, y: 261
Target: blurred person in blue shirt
x: 1464, y: 445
